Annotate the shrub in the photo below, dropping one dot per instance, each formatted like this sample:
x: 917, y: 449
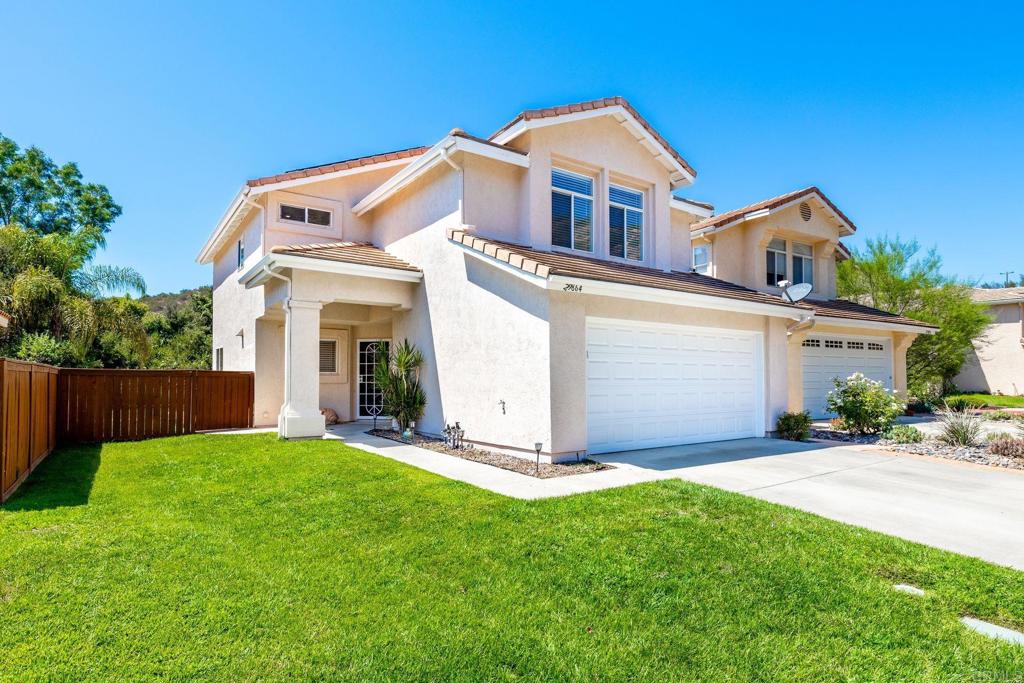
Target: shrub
x: 961, y: 404
x: 39, y: 347
x: 837, y: 424
x: 903, y: 434
x: 996, y: 436
x: 397, y: 377
x: 865, y: 406
x: 960, y: 429
x: 1008, y: 446
x: 794, y: 426
x: 1000, y: 416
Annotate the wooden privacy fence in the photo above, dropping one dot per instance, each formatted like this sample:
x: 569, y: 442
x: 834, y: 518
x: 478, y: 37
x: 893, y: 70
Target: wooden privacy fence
x: 41, y: 406
x: 28, y: 409
x: 127, y: 405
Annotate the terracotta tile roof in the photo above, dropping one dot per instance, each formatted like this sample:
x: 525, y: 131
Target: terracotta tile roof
x: 459, y: 133
x: 840, y: 308
x: 312, y: 171
x: 983, y: 295
x: 544, y: 264
x: 361, y: 253
x: 561, y: 110
x: 773, y: 203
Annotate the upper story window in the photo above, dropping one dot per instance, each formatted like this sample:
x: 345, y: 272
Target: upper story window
x: 572, y: 210
x: 303, y: 214
x: 701, y: 259
x: 776, y: 262
x: 240, y: 253
x: 803, y: 263
x: 625, y: 223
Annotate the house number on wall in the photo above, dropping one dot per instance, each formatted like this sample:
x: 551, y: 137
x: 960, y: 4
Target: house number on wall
x: 572, y: 288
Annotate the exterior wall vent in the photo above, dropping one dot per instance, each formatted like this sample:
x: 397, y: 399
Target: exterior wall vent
x: 805, y: 211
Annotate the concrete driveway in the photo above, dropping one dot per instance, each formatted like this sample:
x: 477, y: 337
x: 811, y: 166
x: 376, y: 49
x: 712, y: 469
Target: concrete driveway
x: 968, y: 509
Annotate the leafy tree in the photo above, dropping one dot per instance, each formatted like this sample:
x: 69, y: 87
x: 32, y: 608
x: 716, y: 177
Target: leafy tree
x: 39, y: 195
x: 182, y: 337
x: 891, y: 275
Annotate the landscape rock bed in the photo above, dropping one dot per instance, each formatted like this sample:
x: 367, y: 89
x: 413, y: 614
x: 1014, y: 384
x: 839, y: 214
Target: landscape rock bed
x: 978, y: 455
x: 505, y: 462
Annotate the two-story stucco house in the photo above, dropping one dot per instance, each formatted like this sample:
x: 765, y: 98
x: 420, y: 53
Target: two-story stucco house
x: 996, y: 364
x: 558, y: 288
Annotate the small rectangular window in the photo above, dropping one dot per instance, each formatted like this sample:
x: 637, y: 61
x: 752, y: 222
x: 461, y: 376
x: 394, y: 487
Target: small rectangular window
x: 803, y: 264
x: 301, y: 214
x: 240, y: 253
x: 855, y: 345
x: 329, y: 356
x: 701, y: 259
x: 812, y: 343
x: 775, y: 262
x: 872, y: 346
x: 833, y: 344
x: 572, y: 210
x: 625, y: 223
x: 218, y: 358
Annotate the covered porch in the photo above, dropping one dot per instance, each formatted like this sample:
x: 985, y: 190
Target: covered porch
x: 330, y: 311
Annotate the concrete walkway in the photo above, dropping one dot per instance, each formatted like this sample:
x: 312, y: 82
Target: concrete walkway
x: 968, y: 509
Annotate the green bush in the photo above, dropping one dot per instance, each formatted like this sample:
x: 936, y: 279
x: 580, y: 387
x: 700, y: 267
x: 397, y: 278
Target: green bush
x: 39, y: 347
x: 794, y: 426
x: 960, y: 404
x: 903, y: 434
x: 1003, y: 416
x: 865, y: 406
x: 960, y: 429
x: 996, y: 436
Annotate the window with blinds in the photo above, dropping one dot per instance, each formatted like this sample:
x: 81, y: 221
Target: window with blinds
x: 572, y: 210
x: 625, y: 223
x: 329, y: 356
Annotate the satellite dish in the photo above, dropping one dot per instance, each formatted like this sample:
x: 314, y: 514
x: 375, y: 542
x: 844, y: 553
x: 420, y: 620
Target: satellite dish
x: 795, y: 293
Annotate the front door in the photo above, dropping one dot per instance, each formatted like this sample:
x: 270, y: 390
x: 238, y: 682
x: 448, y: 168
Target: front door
x: 371, y: 402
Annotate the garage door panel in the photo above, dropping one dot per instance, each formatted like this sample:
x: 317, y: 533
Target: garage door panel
x: 825, y: 357
x: 670, y: 385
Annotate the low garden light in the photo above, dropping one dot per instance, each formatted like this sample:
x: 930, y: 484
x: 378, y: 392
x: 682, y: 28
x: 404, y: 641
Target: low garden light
x: 537, y: 446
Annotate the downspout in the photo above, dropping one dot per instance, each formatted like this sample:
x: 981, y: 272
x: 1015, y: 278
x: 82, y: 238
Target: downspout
x: 287, y: 333
x: 462, y: 182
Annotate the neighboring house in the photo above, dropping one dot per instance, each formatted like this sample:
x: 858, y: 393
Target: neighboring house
x: 996, y: 364
x: 547, y: 274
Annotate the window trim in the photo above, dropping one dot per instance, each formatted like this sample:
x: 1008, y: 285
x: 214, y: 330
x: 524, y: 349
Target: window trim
x: 625, y: 223
x: 240, y: 253
x: 305, y: 213
x: 806, y: 262
x: 572, y: 210
x: 785, y: 261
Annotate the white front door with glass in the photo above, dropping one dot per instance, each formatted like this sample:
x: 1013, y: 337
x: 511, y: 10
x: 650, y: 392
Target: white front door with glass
x: 371, y: 401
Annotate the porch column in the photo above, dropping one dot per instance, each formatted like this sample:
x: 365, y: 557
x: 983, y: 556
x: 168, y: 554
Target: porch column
x: 901, y: 341
x: 300, y: 414
x: 795, y: 371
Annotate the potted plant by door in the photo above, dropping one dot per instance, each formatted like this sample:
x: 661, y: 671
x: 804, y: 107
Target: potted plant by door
x: 397, y: 377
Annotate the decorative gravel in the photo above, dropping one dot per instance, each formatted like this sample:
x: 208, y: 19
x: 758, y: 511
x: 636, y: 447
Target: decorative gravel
x: 505, y: 462
x: 978, y: 455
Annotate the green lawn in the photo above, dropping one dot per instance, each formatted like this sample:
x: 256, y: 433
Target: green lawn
x: 241, y: 558
x: 995, y: 401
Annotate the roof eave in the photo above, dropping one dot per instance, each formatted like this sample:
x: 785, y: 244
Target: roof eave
x: 273, y: 263
x: 874, y: 324
x: 224, y: 226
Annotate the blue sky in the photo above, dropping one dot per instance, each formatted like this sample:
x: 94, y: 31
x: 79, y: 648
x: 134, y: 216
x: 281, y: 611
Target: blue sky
x: 909, y: 116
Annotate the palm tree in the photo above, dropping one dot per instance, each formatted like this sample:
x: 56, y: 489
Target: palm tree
x: 397, y: 376
x: 50, y: 285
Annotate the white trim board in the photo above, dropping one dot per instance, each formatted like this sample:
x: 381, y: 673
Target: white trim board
x: 257, y: 275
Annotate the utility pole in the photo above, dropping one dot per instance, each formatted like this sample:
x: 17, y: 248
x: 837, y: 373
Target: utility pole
x: 1006, y: 276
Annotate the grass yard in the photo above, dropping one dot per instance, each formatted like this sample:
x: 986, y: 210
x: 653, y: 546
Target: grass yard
x: 242, y: 558
x: 992, y: 401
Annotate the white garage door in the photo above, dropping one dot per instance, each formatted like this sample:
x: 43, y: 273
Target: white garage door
x: 652, y: 385
x: 828, y: 356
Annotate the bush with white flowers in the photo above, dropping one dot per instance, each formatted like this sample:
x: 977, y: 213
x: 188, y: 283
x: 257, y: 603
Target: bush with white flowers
x: 864, y: 405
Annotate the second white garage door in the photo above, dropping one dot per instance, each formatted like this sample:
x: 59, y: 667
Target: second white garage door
x: 828, y: 356
x: 651, y: 385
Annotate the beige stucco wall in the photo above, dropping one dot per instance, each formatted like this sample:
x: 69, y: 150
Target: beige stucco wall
x: 236, y: 309
x: 602, y: 149
x: 738, y: 252
x: 997, y: 363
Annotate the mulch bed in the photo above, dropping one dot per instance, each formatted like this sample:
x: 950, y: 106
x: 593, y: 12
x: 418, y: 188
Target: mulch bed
x: 505, y: 462
x: 978, y: 455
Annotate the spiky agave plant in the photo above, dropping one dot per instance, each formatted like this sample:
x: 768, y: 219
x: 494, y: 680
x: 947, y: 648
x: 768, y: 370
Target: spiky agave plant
x: 397, y: 377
